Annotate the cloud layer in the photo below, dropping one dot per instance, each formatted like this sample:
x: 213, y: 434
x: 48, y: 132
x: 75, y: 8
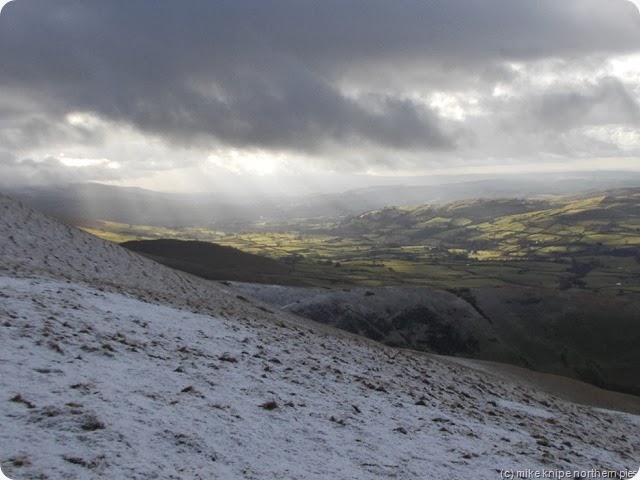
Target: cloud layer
x: 354, y: 84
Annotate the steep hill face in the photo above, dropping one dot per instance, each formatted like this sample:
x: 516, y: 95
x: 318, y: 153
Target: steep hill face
x: 409, y: 317
x: 36, y: 244
x: 112, y: 366
x: 588, y: 337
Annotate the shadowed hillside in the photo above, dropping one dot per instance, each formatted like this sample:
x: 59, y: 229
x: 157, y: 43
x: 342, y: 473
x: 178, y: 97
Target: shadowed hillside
x: 213, y: 262
x: 589, y: 337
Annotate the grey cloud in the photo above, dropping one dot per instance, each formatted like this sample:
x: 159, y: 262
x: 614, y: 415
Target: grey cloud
x: 603, y: 103
x: 564, y: 119
x: 285, y: 107
x: 323, y: 77
x: 169, y: 37
x: 28, y: 172
x: 267, y: 73
x: 197, y: 72
x: 44, y: 131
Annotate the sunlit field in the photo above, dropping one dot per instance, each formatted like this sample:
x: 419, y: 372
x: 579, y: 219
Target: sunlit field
x: 589, y: 243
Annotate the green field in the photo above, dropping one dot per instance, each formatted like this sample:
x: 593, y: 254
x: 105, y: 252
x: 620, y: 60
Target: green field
x: 590, y: 242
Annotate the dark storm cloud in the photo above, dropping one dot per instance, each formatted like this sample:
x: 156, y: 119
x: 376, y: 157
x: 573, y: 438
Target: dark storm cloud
x: 271, y: 74
x: 195, y: 71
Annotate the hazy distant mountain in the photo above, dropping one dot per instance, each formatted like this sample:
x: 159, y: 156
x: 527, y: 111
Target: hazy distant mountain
x: 140, y: 206
x: 127, y: 205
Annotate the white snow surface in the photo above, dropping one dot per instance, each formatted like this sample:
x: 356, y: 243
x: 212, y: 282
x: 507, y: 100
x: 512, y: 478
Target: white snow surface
x: 112, y: 366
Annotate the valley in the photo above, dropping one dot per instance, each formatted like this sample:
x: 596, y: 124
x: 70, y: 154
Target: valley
x: 588, y: 242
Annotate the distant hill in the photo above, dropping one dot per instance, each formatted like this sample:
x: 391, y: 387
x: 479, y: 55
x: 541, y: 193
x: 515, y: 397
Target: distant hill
x: 213, y: 262
x: 78, y: 203
x: 511, y: 227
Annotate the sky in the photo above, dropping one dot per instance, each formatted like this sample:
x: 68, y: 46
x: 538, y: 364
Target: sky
x: 200, y: 94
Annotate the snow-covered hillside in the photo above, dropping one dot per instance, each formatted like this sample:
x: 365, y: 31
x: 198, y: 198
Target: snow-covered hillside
x: 112, y: 366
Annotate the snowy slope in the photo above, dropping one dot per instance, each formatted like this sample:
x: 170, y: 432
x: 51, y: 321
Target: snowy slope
x: 114, y: 367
